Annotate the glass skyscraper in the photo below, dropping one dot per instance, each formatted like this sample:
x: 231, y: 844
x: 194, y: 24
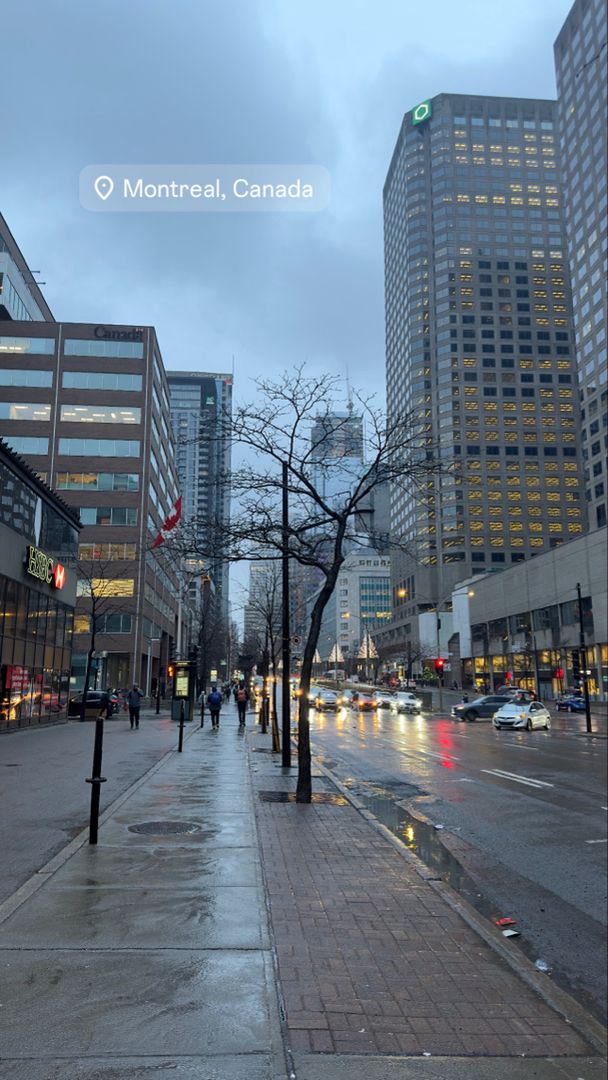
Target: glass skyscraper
x: 580, y: 59
x: 479, y: 342
x: 201, y: 404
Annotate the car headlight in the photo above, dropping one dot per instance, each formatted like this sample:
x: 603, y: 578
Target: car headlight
x: 523, y: 716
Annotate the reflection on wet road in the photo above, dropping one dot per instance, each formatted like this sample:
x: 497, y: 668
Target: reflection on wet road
x: 517, y: 813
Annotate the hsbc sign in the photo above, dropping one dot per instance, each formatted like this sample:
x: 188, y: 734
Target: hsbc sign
x: 40, y: 565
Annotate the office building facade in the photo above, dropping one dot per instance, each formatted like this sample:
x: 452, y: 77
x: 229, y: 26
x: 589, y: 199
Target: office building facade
x: 88, y: 408
x: 357, y: 611
x: 201, y: 407
x: 479, y: 343
x: 580, y: 60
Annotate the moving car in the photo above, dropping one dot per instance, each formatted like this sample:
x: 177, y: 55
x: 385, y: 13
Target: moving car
x: 530, y: 715
x: 404, y: 701
x: 482, y: 707
x: 570, y: 703
x: 364, y: 702
x: 325, y: 700
x: 384, y: 699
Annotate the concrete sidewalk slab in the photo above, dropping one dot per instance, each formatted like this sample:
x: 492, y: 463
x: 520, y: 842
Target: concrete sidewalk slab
x: 150, y: 953
x: 347, y: 1067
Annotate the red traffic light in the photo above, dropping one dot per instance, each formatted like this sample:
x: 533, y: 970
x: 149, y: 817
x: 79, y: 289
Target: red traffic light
x: 559, y: 674
x: 439, y: 663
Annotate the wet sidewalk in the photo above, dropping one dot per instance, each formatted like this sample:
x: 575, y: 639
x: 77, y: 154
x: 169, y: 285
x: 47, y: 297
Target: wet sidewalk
x: 149, y: 955
x: 152, y: 956
x: 380, y: 975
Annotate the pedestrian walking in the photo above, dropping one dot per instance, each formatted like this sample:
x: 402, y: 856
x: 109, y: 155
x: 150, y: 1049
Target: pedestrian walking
x: 242, y: 700
x: 105, y: 707
x: 134, y: 702
x: 214, y: 702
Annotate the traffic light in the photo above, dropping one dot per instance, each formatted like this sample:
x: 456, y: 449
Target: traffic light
x: 559, y: 673
x: 170, y: 669
x: 576, y: 664
x: 439, y: 665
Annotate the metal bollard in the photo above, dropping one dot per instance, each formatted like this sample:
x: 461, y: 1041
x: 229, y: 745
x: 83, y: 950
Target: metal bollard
x: 96, y: 780
x: 180, y: 744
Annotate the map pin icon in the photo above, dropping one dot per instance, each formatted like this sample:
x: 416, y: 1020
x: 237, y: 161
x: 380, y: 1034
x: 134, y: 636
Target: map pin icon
x: 104, y: 186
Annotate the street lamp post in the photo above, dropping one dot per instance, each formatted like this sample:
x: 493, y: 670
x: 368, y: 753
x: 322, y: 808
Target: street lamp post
x: 583, y: 652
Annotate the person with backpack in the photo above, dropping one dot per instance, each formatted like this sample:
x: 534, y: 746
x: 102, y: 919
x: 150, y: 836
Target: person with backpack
x: 242, y: 698
x: 214, y: 704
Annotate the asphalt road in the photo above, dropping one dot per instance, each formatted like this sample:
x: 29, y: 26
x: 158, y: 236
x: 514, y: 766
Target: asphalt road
x: 44, y: 799
x: 522, y: 816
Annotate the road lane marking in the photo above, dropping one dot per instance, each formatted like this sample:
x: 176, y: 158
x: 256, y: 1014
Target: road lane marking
x: 518, y: 779
x: 522, y: 746
x: 434, y: 753
x: 605, y: 841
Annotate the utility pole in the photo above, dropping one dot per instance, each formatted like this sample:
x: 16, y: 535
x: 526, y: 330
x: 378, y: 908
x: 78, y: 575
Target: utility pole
x: 285, y: 650
x: 439, y: 670
x: 583, y: 651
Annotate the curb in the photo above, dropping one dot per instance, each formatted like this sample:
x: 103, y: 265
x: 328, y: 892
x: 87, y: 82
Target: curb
x: 37, y: 880
x: 557, y: 999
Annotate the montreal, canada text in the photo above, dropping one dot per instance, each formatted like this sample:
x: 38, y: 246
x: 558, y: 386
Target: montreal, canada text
x: 240, y: 188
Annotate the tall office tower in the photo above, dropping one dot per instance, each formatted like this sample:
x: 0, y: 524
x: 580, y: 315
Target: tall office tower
x: 88, y: 408
x: 201, y: 404
x: 580, y: 59
x: 20, y: 295
x: 479, y: 341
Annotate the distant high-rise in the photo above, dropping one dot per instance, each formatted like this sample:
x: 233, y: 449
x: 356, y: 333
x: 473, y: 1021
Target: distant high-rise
x: 479, y: 341
x: 337, y: 452
x: 580, y: 59
x: 201, y: 404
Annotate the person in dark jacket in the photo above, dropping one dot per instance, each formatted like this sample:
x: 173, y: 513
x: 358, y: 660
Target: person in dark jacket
x: 134, y: 702
x: 214, y: 704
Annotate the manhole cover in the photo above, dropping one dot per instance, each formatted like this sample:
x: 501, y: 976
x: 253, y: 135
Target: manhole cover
x: 165, y: 828
x: 262, y: 750
x: 326, y: 797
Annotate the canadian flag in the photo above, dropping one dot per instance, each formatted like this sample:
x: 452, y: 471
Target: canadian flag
x: 169, y: 525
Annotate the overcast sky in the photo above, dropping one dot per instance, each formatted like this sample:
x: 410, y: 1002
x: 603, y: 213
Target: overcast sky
x: 237, y: 81
x: 161, y: 81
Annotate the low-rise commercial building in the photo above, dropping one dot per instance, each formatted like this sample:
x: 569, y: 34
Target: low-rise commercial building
x: 523, y: 625
x: 38, y: 550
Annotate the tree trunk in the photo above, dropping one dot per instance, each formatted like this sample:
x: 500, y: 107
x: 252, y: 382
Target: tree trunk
x: 304, y: 785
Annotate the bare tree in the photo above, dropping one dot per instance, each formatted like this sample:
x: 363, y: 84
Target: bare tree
x: 293, y: 423
x: 266, y: 604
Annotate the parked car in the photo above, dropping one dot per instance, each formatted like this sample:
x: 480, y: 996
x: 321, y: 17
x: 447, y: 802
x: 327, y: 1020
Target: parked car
x: 405, y: 701
x: 570, y: 703
x: 530, y: 715
x: 93, y: 704
x: 363, y: 701
x: 326, y: 700
x: 482, y: 707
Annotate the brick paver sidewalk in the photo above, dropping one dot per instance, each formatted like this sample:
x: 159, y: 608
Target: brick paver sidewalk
x: 371, y: 959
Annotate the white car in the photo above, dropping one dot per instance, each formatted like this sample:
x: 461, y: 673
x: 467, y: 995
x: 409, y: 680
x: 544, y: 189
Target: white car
x: 530, y: 715
x: 404, y: 701
x: 325, y: 700
x: 384, y: 699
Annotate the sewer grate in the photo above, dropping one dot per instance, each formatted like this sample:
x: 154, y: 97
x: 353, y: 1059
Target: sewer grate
x: 165, y: 828
x: 328, y: 798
